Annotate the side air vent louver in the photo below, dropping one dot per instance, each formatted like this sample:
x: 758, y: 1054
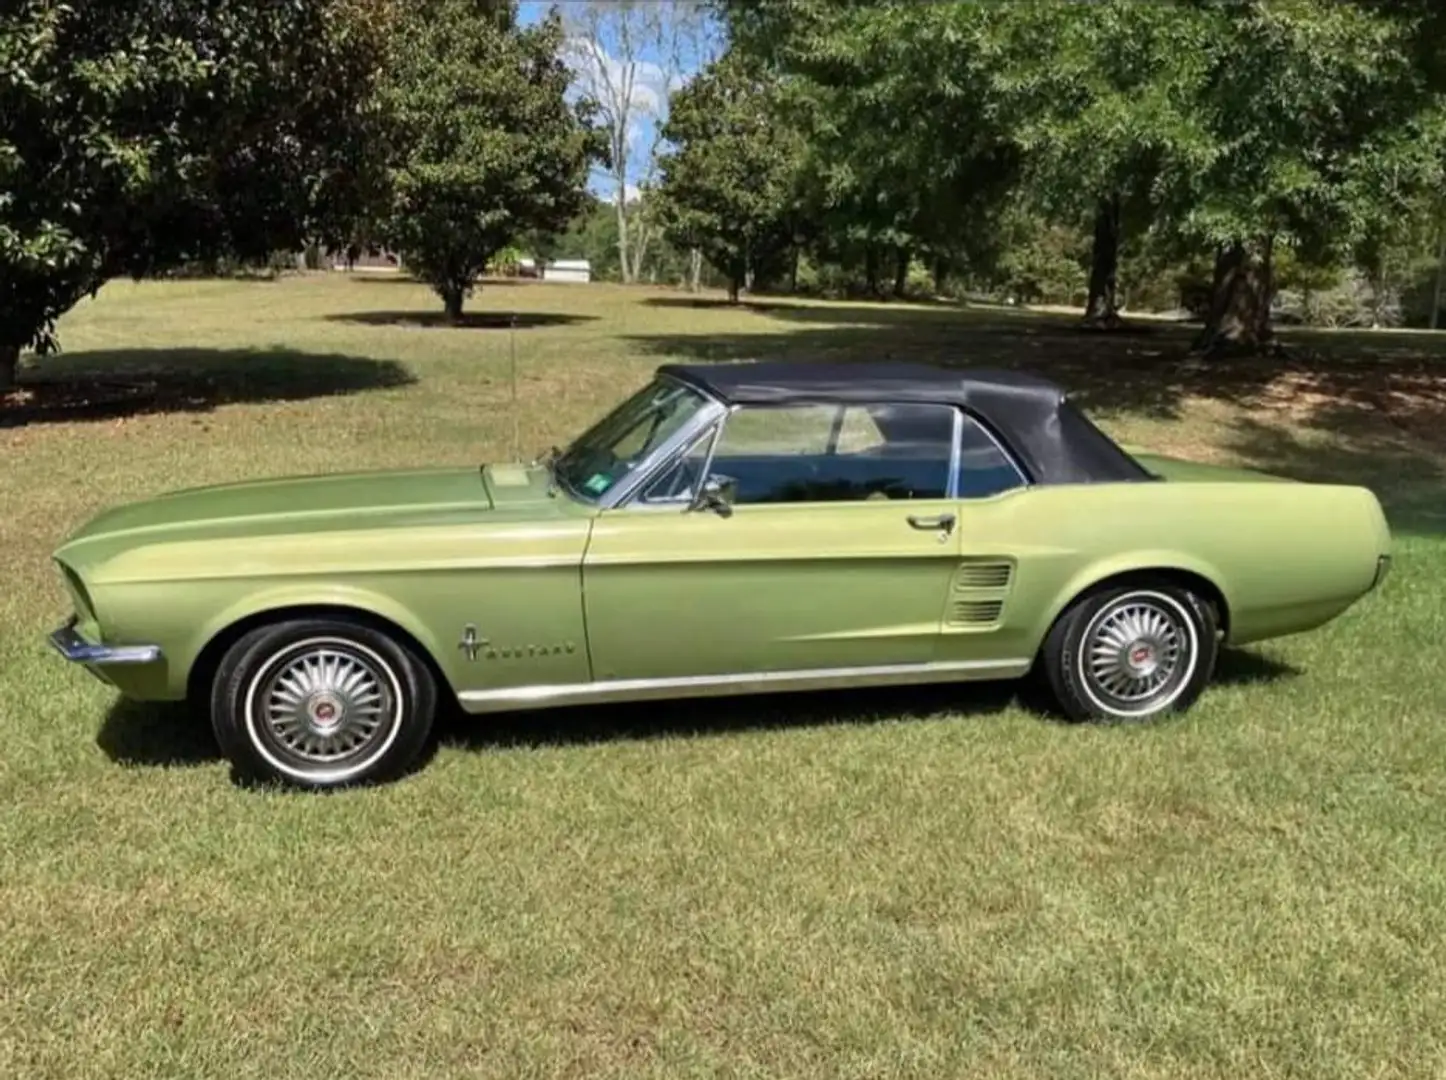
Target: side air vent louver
x: 981, y: 586
x: 984, y: 575
x: 976, y: 612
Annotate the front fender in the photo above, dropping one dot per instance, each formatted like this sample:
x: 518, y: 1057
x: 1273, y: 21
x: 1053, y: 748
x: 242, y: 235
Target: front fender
x: 282, y: 598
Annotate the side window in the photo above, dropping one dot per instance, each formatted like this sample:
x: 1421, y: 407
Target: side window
x: 984, y: 469
x: 782, y: 430
x: 837, y: 453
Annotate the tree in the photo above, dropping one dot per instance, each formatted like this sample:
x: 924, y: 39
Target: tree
x: 905, y: 158
x: 484, y: 147
x: 608, y: 47
x: 139, y: 134
x: 1319, y: 123
x: 1099, y: 98
x: 729, y: 184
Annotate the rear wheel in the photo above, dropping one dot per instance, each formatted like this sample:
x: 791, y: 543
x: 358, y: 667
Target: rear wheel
x: 322, y: 703
x: 1130, y: 652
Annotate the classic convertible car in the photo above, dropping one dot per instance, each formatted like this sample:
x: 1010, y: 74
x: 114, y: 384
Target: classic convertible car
x: 729, y: 528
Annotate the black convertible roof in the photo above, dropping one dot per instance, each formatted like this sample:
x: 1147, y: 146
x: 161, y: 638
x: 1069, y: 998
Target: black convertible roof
x: 1032, y: 417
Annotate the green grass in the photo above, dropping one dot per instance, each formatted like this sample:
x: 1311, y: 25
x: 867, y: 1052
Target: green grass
x: 906, y: 883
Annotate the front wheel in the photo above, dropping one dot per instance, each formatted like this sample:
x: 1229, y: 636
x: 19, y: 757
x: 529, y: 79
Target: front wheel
x: 322, y: 703
x: 1130, y: 652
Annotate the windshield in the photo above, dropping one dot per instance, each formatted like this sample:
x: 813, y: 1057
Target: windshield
x: 604, y: 455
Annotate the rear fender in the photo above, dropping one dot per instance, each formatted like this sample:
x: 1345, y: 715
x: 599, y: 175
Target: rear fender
x: 1125, y: 564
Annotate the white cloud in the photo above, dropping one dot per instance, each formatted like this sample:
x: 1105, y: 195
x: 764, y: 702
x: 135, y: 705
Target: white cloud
x: 632, y: 94
x: 641, y: 84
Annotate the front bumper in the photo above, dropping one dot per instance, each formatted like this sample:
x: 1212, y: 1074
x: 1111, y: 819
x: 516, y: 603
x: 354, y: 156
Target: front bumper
x: 79, y: 651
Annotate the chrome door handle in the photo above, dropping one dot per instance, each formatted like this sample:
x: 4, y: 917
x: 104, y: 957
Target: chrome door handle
x: 943, y: 522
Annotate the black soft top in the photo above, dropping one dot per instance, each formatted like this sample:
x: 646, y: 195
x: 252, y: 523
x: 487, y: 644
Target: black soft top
x: 1049, y: 437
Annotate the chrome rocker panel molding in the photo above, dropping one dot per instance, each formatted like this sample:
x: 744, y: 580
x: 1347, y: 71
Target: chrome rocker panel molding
x: 79, y: 651
x: 508, y: 698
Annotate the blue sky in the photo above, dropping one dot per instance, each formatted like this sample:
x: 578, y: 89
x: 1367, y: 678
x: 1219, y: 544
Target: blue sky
x: 650, y: 92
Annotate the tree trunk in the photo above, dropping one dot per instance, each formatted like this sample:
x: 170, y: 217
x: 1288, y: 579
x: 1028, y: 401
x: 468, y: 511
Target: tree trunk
x: 793, y: 270
x: 640, y: 248
x: 1440, y: 274
x: 901, y: 272
x: 624, y: 267
x: 695, y: 269
x: 941, y: 275
x: 735, y: 283
x: 1240, y: 298
x: 1102, y: 308
x: 452, y: 298
x: 9, y: 364
x: 871, y: 268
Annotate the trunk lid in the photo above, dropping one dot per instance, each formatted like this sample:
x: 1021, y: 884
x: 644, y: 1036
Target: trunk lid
x: 1179, y: 470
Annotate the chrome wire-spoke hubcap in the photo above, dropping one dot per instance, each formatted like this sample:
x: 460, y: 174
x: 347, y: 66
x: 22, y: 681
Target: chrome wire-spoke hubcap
x: 1137, y: 651
x: 326, y: 703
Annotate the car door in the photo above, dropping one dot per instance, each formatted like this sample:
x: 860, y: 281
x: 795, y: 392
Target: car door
x: 838, y: 550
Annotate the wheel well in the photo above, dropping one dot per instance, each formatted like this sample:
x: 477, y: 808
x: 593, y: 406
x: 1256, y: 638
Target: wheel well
x: 1200, y: 585
x: 203, y: 671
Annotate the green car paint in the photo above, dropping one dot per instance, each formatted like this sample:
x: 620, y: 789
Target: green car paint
x: 1171, y: 468
x: 524, y: 594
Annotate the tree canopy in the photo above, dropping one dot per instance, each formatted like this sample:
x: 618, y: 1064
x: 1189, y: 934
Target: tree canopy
x: 729, y: 185
x: 1231, y: 130
x: 1210, y: 154
x: 139, y: 134
x: 483, y: 146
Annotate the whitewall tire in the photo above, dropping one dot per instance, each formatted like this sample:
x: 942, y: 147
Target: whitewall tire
x: 322, y: 703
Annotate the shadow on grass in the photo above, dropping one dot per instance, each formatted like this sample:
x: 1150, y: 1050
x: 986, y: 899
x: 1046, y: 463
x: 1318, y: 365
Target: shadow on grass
x: 471, y: 320
x: 159, y: 734
x: 110, y: 384
x: 401, y: 277
x: 1245, y: 667
x: 712, y: 303
x: 701, y: 717
x: 173, y: 734
x: 1342, y: 448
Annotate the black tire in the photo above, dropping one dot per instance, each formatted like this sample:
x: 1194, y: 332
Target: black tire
x: 350, y: 704
x: 1130, y: 652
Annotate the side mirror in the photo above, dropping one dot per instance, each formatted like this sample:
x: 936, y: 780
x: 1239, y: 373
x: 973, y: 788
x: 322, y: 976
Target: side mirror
x: 718, y: 494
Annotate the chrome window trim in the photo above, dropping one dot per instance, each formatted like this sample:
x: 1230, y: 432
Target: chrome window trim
x: 956, y: 455
x: 640, y: 500
x: 1013, y: 462
x: 747, y: 682
x: 666, y: 451
x: 688, y: 437
x: 710, y: 428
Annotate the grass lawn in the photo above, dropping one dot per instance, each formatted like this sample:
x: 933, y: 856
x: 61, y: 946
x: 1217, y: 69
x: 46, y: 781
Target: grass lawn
x: 920, y: 883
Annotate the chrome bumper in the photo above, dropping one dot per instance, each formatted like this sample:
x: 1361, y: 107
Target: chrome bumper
x: 79, y: 651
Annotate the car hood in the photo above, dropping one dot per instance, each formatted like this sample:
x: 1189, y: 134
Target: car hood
x: 310, y: 504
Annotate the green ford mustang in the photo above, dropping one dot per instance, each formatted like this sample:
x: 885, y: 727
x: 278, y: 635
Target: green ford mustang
x: 730, y: 528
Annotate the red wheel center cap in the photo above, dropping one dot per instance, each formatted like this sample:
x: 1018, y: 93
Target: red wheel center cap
x: 1141, y: 655
x: 325, y: 712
